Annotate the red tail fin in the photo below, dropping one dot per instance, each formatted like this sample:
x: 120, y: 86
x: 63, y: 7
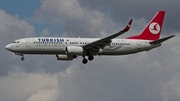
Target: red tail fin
x: 153, y: 29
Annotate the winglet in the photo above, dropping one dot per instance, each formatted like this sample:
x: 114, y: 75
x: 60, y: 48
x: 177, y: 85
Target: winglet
x: 128, y: 26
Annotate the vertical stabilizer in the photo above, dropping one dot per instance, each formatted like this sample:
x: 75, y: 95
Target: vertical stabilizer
x: 153, y: 30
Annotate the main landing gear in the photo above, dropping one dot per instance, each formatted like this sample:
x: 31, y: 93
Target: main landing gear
x: 90, y: 58
x: 84, y: 61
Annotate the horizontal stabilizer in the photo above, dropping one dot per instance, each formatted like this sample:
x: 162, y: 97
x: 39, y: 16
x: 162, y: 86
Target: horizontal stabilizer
x: 161, y: 40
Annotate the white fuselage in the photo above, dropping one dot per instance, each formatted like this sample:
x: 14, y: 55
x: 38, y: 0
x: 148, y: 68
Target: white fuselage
x: 57, y: 45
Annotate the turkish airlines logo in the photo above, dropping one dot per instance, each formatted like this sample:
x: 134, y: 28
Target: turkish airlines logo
x: 154, y: 28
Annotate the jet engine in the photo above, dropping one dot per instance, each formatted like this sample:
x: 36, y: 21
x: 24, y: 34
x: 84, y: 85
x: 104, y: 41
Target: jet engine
x: 65, y: 57
x: 74, y: 50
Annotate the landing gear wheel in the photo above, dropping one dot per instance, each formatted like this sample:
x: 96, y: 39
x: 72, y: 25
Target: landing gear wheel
x: 22, y: 58
x: 90, y: 58
x: 84, y: 61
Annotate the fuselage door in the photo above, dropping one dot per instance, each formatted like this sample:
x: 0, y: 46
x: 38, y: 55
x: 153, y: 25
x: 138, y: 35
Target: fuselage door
x: 27, y: 41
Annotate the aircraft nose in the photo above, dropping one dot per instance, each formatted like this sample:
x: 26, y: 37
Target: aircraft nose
x: 8, y: 47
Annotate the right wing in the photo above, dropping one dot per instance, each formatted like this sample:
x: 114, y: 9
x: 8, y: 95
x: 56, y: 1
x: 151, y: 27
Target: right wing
x: 93, y: 47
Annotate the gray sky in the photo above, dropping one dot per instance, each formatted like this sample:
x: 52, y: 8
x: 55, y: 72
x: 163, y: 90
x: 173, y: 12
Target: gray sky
x: 146, y: 76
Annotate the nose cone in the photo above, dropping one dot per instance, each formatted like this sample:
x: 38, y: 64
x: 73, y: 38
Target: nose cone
x: 8, y: 47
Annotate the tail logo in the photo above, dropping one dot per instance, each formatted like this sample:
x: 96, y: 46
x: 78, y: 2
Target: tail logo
x: 154, y: 28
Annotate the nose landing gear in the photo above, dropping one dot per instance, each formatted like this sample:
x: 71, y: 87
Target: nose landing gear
x: 22, y: 58
x: 20, y: 54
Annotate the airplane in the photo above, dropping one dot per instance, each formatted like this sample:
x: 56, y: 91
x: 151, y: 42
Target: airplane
x: 71, y: 48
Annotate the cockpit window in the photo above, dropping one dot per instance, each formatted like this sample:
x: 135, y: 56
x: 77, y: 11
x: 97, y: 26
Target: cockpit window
x: 15, y: 42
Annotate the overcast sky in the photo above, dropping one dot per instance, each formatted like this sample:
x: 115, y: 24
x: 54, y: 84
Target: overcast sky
x: 146, y: 76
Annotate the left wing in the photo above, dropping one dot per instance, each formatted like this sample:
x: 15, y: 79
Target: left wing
x: 93, y: 48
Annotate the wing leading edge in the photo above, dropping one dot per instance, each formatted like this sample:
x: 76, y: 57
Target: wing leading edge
x: 93, y: 47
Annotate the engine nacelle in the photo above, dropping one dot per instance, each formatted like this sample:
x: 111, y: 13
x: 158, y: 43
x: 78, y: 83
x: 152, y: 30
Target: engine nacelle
x: 65, y: 57
x: 74, y: 50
